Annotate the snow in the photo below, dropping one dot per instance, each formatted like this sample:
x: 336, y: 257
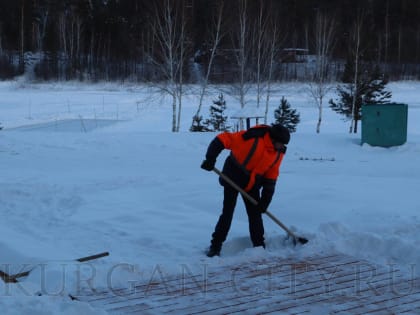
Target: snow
x: 91, y: 168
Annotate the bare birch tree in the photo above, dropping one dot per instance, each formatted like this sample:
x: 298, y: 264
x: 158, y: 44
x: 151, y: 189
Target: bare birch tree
x: 39, y: 29
x: 180, y: 82
x: 324, y: 42
x: 22, y: 37
x: 273, y: 44
x: 260, y: 30
x: 258, y: 45
x: 1, y: 38
x: 242, y: 51
x: 386, y: 33
x: 62, y: 32
x: 215, y: 40
x: 169, y: 33
x: 355, y: 48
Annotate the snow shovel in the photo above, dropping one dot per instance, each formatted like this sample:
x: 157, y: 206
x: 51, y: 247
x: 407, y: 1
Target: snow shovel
x: 14, y: 278
x: 295, y: 238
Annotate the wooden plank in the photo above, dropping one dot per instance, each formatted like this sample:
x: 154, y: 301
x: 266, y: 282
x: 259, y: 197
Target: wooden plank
x: 241, y: 272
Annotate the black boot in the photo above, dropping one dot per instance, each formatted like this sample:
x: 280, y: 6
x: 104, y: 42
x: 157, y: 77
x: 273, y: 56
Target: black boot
x: 260, y: 245
x: 213, y: 251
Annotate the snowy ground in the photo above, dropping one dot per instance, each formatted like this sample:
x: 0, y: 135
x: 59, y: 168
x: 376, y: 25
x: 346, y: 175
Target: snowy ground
x: 91, y: 168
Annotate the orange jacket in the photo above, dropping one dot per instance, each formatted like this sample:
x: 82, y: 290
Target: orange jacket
x: 255, y: 155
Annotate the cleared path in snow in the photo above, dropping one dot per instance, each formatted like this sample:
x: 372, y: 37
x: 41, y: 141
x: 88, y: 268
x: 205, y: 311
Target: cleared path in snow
x: 332, y: 284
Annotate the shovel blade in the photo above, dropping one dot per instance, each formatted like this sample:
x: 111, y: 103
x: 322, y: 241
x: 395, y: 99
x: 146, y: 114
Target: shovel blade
x: 302, y: 240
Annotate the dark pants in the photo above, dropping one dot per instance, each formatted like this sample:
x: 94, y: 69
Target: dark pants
x: 256, y: 227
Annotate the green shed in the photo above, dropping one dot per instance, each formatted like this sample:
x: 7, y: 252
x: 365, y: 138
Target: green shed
x: 384, y: 125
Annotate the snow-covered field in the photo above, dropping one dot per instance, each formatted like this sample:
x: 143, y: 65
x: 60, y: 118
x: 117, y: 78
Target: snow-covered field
x: 91, y: 168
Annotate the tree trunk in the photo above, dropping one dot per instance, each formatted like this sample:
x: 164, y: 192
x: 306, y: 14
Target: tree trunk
x: 174, y: 107
x: 273, y: 47
x: 216, y: 40
x: 1, y: 39
x: 169, y: 29
x: 242, y: 59
x: 318, y: 125
x: 22, y: 37
x: 387, y: 32
x: 261, y: 30
x: 91, y: 56
x: 324, y: 36
x: 357, y: 44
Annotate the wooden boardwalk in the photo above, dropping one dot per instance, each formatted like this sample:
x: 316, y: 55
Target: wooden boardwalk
x: 334, y: 284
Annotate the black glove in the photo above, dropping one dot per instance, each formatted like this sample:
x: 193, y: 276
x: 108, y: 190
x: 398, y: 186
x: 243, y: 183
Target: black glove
x: 262, y: 207
x: 208, y: 165
x: 266, y: 195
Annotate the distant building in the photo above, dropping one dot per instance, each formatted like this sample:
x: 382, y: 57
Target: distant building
x: 294, y: 55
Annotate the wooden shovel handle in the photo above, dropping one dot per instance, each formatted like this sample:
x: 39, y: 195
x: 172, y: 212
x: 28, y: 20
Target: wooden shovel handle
x: 253, y: 201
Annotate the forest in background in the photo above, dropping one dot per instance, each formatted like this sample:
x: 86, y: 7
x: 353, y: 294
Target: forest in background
x: 220, y: 41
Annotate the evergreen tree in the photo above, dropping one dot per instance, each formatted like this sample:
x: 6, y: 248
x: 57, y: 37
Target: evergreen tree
x: 197, y: 125
x: 287, y: 116
x: 369, y: 89
x: 217, y: 120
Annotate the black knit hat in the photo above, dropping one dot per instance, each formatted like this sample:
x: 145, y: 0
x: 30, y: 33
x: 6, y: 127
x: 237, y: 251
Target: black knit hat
x: 280, y: 133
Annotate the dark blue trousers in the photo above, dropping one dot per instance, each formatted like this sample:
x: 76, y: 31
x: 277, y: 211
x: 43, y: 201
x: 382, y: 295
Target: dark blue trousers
x: 256, y: 226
